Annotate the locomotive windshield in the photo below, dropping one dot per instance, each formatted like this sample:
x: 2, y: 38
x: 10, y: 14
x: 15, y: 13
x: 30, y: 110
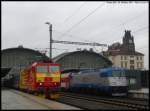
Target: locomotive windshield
x: 118, y: 73
x: 42, y: 69
x: 54, y: 69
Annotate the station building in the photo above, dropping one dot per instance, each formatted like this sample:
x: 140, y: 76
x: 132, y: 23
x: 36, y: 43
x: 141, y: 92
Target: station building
x: 124, y: 55
x: 20, y: 56
x: 16, y: 58
x: 82, y: 59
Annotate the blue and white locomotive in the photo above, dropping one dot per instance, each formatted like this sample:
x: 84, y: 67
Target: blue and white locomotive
x: 111, y: 81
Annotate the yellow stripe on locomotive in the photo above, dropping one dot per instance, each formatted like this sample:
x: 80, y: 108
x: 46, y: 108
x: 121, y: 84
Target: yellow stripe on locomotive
x: 51, y: 77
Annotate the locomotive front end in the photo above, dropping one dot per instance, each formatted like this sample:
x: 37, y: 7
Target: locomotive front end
x: 118, y: 82
x: 48, y: 80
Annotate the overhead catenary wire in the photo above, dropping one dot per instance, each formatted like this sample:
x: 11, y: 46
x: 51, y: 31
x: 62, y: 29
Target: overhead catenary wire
x: 70, y: 35
x: 136, y: 31
x: 113, y: 39
x: 68, y: 18
x: 83, y: 18
x: 129, y: 20
x: 133, y: 18
x: 125, y: 22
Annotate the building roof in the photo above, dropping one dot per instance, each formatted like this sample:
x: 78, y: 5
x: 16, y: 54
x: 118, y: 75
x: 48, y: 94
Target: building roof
x: 69, y: 53
x: 61, y: 56
x: 127, y: 48
x: 23, y: 49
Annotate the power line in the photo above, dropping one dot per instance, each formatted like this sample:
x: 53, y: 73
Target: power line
x: 133, y: 32
x: 84, y: 18
x: 119, y: 25
x: 70, y: 35
x: 79, y: 43
x: 113, y: 39
x: 93, y: 12
x: 140, y: 29
x: 127, y: 21
x: 80, y: 39
x: 133, y: 18
x: 67, y: 19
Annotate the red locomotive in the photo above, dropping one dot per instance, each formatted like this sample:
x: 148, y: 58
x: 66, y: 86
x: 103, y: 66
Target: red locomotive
x: 41, y: 78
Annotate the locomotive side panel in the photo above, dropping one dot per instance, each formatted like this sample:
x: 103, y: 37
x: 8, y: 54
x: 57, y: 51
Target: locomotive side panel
x: 27, y: 79
x: 89, y: 79
x: 110, y: 81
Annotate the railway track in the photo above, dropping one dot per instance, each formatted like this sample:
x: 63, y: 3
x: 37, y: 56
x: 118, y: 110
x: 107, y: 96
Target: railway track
x: 87, y: 102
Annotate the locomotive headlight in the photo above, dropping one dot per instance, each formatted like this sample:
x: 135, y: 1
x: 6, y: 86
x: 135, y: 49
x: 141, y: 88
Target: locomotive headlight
x: 40, y: 84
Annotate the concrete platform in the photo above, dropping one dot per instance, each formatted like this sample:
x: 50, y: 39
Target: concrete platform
x: 141, y: 93
x: 13, y: 99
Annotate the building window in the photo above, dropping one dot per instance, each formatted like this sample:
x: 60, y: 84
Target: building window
x: 137, y: 58
x: 140, y: 58
x: 131, y: 61
x: 121, y: 58
x: 121, y: 64
x: 82, y: 65
x: 131, y: 67
x: 141, y: 64
x: 131, y: 56
x: 137, y: 65
x: 125, y: 64
x: 125, y: 57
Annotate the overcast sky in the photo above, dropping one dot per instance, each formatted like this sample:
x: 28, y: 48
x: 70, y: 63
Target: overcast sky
x: 23, y: 23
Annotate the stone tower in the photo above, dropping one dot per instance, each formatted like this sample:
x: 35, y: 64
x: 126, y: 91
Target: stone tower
x: 128, y: 42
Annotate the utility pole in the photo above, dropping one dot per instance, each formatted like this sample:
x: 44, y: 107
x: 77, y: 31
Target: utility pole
x: 50, y: 47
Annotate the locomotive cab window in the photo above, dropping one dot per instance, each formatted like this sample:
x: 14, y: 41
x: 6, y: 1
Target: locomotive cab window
x: 42, y: 69
x: 54, y: 69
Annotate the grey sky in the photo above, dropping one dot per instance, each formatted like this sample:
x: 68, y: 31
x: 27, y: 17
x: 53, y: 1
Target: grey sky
x: 23, y: 23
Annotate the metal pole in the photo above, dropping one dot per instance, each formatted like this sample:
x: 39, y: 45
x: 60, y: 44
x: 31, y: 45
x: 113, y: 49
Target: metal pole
x: 50, y: 51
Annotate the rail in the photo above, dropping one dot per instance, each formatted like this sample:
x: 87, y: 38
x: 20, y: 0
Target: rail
x: 138, y: 95
x: 122, y: 103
